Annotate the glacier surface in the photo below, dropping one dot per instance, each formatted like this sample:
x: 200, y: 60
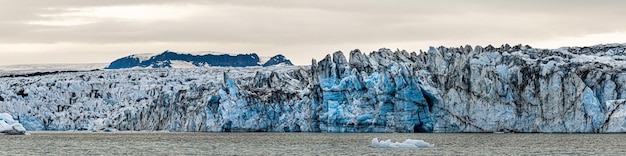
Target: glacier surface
x: 445, y: 89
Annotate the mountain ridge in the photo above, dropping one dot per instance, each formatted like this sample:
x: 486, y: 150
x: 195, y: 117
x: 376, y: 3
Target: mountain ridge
x: 170, y: 59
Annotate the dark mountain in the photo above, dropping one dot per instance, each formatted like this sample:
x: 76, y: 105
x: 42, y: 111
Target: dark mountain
x: 168, y: 59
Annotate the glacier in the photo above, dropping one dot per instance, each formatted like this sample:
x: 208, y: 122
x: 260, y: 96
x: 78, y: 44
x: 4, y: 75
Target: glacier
x: 444, y: 89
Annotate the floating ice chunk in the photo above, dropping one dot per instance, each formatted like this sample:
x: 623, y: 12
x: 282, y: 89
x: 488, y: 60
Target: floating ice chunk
x: 10, y: 126
x: 408, y: 143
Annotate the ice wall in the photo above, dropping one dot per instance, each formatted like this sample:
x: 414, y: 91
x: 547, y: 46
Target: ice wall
x: 522, y: 89
x: 464, y: 89
x: 196, y: 99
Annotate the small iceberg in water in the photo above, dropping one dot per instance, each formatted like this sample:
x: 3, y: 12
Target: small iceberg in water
x: 408, y: 143
x: 110, y: 130
x: 10, y: 126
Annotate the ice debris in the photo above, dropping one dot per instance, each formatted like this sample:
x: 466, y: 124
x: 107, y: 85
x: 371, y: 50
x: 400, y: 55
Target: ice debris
x: 408, y: 143
x: 10, y: 126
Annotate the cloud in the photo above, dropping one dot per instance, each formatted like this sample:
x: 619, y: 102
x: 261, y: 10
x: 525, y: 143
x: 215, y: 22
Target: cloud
x: 286, y: 24
x: 305, y: 22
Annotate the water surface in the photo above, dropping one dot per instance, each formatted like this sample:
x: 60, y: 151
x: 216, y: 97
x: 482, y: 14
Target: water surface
x: 162, y: 143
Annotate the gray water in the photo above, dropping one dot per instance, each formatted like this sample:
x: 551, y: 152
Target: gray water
x: 162, y: 143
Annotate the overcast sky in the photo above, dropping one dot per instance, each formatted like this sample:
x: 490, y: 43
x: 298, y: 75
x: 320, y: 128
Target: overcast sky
x: 86, y: 31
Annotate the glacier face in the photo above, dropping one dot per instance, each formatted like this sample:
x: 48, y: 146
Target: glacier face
x: 464, y: 89
x: 523, y: 89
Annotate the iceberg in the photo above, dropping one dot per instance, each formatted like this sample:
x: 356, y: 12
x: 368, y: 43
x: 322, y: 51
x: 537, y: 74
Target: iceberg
x: 408, y: 143
x: 10, y: 126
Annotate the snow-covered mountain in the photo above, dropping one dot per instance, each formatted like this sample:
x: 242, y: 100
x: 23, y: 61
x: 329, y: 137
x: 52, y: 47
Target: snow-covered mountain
x: 458, y: 89
x: 170, y: 59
